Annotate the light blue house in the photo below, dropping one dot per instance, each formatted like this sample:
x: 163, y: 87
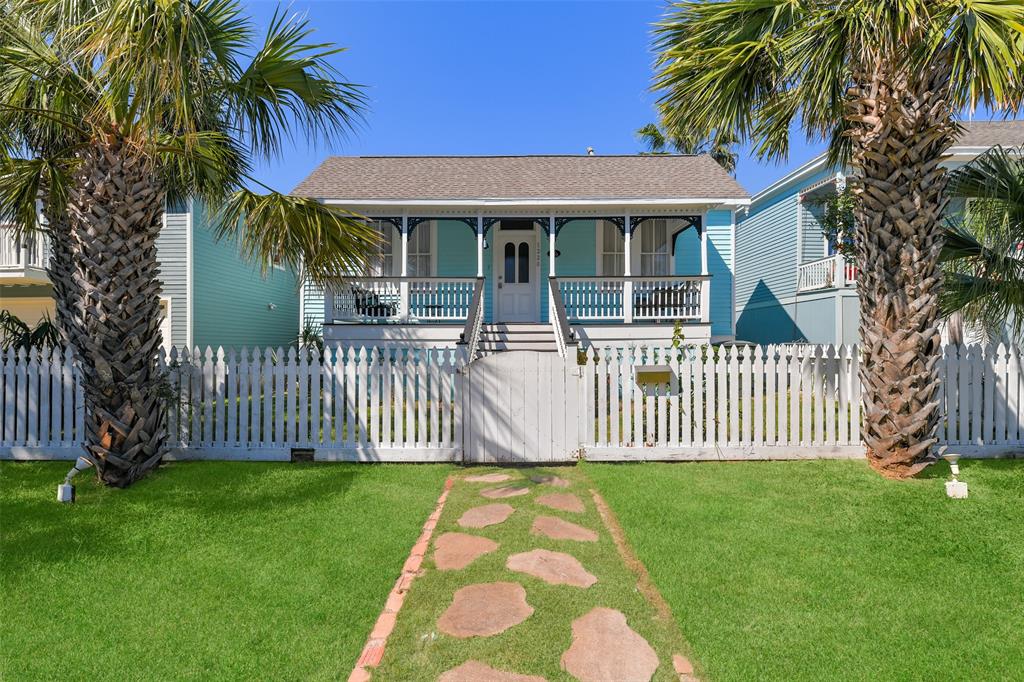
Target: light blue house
x: 791, y: 285
x: 211, y: 296
x: 618, y: 249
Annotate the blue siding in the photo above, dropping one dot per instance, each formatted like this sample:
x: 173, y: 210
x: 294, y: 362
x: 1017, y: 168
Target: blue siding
x: 488, y: 275
x: 720, y: 267
x: 456, y: 249
x: 542, y: 281
x: 812, y: 246
x: 234, y: 304
x: 577, y: 244
x: 816, y: 319
x: 766, y: 254
x: 687, y: 256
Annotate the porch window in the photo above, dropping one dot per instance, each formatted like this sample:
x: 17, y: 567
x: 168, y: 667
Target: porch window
x: 420, y: 257
x: 655, y: 248
x: 613, y: 249
x: 383, y: 262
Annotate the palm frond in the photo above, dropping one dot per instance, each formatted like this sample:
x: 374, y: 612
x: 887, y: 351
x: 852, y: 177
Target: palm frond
x: 983, y: 255
x: 291, y: 84
x: 652, y: 138
x: 325, y: 242
x: 23, y: 183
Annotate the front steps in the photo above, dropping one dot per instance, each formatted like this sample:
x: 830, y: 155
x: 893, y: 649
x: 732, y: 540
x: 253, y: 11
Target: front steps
x: 496, y: 338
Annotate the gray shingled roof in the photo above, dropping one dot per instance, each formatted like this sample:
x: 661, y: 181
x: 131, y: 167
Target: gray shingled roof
x: 519, y: 177
x: 989, y: 133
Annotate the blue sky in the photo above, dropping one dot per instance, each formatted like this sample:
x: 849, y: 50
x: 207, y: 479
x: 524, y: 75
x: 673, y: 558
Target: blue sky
x: 493, y: 77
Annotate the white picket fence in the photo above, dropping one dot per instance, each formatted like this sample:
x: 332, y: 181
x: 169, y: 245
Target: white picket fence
x: 780, y: 402
x: 400, y: 404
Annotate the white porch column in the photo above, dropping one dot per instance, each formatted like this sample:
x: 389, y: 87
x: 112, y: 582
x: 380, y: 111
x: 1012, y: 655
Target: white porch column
x: 705, y: 285
x: 479, y: 245
x: 704, y: 245
x: 403, y: 286
x: 705, y: 301
x: 627, y: 271
x: 551, y: 246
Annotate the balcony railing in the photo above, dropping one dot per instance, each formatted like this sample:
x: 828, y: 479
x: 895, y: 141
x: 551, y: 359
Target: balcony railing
x: 30, y: 251
x: 395, y: 299
x: 833, y: 272
x: 628, y: 299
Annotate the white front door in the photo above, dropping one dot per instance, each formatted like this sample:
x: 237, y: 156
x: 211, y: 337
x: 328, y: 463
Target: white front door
x: 516, y: 269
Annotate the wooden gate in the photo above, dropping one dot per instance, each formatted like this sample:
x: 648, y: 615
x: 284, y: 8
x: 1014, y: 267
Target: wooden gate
x: 522, y: 406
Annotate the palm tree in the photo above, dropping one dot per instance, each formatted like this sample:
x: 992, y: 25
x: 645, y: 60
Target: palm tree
x: 111, y: 108
x: 984, y: 252
x: 880, y: 81
x: 718, y: 147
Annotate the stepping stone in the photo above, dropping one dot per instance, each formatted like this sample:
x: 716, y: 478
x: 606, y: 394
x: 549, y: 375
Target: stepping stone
x: 487, y: 515
x: 554, y: 568
x: 505, y: 491
x: 548, y: 479
x: 485, y: 609
x: 566, y: 502
x: 559, y: 529
x: 475, y: 671
x: 605, y: 648
x: 453, y: 551
x: 684, y: 668
x: 488, y: 478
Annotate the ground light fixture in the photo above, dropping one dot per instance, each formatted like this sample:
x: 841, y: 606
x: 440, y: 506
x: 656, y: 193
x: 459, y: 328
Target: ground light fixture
x: 66, y: 490
x: 955, y: 489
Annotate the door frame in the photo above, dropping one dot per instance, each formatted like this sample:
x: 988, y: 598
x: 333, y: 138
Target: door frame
x: 498, y: 265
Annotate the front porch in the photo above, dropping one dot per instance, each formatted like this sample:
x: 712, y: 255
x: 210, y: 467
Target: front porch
x: 601, y: 279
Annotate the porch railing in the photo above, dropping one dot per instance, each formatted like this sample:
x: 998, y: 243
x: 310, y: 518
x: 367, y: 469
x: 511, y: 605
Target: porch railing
x: 627, y: 299
x: 28, y: 251
x: 833, y: 272
x: 393, y: 299
x: 564, y: 337
x: 474, y: 321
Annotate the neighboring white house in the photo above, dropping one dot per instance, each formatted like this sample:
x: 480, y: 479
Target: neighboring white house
x: 617, y: 248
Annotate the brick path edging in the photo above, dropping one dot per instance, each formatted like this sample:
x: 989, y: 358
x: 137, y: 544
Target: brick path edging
x: 373, y: 651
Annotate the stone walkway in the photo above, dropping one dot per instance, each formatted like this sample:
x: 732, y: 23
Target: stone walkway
x: 604, y: 648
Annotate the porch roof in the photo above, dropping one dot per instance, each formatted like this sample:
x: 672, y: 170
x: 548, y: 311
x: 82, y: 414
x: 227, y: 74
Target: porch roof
x: 531, y: 178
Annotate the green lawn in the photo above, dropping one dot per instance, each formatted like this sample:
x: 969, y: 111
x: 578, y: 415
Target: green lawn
x: 204, y: 570
x: 417, y: 650
x: 823, y: 570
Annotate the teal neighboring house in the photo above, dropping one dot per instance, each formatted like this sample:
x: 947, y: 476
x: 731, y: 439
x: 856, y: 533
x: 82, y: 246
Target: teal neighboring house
x: 211, y: 295
x: 791, y: 285
x: 619, y: 249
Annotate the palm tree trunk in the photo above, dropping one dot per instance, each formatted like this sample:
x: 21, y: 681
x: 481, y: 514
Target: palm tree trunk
x: 115, y: 214
x: 61, y: 272
x: 901, y: 129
